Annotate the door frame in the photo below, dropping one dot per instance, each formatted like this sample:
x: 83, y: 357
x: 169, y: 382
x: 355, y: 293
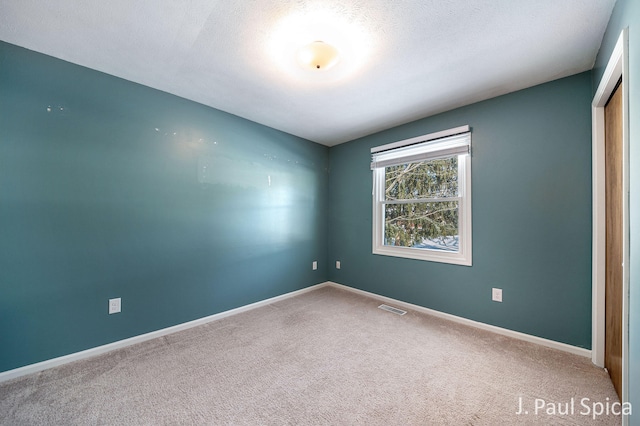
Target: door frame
x: 617, y: 67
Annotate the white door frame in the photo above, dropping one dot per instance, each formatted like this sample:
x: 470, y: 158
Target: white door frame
x: 618, y: 66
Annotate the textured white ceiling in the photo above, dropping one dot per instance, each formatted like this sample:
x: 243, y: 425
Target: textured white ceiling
x: 401, y: 60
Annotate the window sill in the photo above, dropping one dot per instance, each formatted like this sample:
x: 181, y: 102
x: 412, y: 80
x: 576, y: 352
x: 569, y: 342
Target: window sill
x: 422, y: 254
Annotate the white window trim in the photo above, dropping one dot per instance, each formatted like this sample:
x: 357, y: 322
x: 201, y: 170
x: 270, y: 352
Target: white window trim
x: 463, y: 256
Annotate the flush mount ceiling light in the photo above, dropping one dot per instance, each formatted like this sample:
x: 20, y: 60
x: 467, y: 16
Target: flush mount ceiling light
x: 318, y: 55
x: 334, y: 40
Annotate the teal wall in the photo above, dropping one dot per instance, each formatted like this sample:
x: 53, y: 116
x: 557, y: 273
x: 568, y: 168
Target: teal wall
x: 531, y: 198
x: 627, y: 14
x: 106, y: 196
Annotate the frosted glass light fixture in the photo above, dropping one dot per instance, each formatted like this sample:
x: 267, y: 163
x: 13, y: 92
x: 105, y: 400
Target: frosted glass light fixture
x: 317, y: 55
x: 319, y: 45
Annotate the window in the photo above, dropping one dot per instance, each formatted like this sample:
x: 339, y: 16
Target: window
x: 422, y: 197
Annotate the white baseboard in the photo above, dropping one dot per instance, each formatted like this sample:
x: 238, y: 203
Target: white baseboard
x: 98, y: 350
x: 34, y: 368
x: 498, y: 330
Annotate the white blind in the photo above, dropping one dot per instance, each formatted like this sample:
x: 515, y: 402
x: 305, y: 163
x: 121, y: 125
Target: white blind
x: 422, y: 148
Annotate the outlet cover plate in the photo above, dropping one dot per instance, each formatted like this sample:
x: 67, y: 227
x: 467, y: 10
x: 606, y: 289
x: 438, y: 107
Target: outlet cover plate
x: 315, y: 265
x: 496, y: 294
x: 115, y: 306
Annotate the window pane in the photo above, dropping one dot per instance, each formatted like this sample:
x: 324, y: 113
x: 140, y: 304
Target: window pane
x: 431, y: 225
x: 426, y: 179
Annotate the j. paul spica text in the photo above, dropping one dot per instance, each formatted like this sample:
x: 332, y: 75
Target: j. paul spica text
x: 581, y: 406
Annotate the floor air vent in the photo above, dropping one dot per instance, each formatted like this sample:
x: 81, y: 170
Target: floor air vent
x: 392, y: 309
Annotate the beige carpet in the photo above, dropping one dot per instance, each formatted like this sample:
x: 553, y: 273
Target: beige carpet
x: 324, y: 357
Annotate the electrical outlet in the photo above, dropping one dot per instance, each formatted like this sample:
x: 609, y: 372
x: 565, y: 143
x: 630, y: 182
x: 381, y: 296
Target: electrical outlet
x: 115, y: 306
x: 337, y: 264
x: 496, y: 294
x: 315, y: 265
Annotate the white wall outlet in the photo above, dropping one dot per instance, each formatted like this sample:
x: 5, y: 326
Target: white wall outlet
x: 496, y: 294
x: 337, y: 264
x: 315, y: 265
x: 115, y: 306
